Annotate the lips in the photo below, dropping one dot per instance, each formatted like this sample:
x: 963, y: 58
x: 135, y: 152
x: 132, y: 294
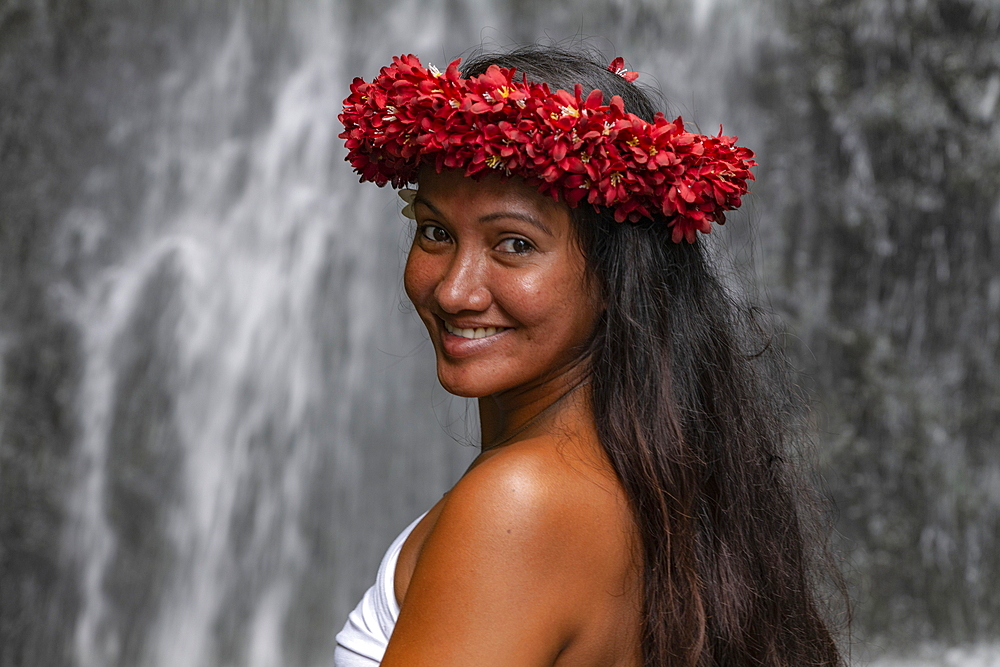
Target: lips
x: 473, y: 333
x: 458, y: 342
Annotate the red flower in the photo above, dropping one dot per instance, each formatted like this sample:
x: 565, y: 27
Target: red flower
x: 572, y: 148
x: 618, y: 67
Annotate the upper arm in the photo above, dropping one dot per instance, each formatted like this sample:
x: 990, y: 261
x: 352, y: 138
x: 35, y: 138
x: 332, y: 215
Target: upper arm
x: 499, y: 578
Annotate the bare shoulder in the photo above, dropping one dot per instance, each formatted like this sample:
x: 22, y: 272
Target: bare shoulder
x: 548, y: 488
x: 529, y: 553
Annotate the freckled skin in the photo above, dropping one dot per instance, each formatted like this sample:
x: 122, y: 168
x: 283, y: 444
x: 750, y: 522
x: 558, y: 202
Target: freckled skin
x: 530, y: 559
x: 470, y: 276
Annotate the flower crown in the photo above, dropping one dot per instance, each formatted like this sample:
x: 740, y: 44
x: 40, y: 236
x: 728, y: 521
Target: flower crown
x: 570, y: 147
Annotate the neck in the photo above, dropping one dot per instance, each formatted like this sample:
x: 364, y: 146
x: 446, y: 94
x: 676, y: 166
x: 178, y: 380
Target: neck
x: 518, y: 413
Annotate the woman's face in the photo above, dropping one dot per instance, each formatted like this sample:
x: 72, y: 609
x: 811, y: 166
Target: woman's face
x: 497, y: 278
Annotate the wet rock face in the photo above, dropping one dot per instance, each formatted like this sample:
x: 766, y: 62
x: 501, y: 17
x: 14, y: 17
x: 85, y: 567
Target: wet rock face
x: 200, y: 338
x: 40, y: 142
x: 891, y: 113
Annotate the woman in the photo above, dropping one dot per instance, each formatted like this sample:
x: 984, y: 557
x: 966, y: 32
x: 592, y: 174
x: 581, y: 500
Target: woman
x: 631, y: 504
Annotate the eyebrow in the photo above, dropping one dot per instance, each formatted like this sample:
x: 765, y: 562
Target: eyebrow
x: 490, y: 217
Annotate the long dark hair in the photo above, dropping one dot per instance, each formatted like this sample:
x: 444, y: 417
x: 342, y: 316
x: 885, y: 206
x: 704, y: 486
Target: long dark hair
x: 698, y: 426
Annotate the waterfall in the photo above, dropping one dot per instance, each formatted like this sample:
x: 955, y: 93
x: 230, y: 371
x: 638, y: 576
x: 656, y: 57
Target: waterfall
x: 230, y: 352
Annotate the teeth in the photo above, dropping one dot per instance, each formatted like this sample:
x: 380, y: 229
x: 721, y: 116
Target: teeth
x: 481, y: 332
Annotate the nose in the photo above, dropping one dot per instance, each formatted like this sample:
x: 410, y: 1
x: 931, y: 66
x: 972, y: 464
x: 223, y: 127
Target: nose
x: 464, y: 285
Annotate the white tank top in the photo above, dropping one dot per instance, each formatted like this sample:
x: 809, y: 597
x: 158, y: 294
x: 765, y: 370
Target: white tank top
x: 363, y: 640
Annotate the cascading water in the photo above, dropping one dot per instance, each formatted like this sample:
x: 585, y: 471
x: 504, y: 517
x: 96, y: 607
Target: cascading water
x: 206, y: 323
x: 227, y: 351
x: 207, y: 308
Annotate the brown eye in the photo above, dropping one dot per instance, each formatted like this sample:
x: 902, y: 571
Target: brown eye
x: 434, y: 233
x: 515, y: 246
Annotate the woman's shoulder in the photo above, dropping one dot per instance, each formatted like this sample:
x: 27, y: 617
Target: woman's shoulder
x: 543, y: 497
x: 552, y: 505
x: 548, y: 479
x: 531, y: 550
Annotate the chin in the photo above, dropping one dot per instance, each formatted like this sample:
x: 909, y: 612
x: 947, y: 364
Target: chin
x: 473, y: 380
x: 466, y: 387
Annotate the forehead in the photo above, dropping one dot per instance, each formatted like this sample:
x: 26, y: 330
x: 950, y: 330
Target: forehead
x: 456, y: 195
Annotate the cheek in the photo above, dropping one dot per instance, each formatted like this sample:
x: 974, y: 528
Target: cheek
x: 526, y: 298
x: 556, y: 301
x: 417, y: 278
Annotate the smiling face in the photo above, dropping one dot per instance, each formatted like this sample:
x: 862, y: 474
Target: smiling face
x: 497, y: 278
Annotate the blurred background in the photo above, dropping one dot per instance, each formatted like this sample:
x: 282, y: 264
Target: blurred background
x: 216, y: 408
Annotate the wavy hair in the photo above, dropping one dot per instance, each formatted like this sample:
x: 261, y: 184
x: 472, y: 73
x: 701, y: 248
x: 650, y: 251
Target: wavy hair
x: 698, y: 419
